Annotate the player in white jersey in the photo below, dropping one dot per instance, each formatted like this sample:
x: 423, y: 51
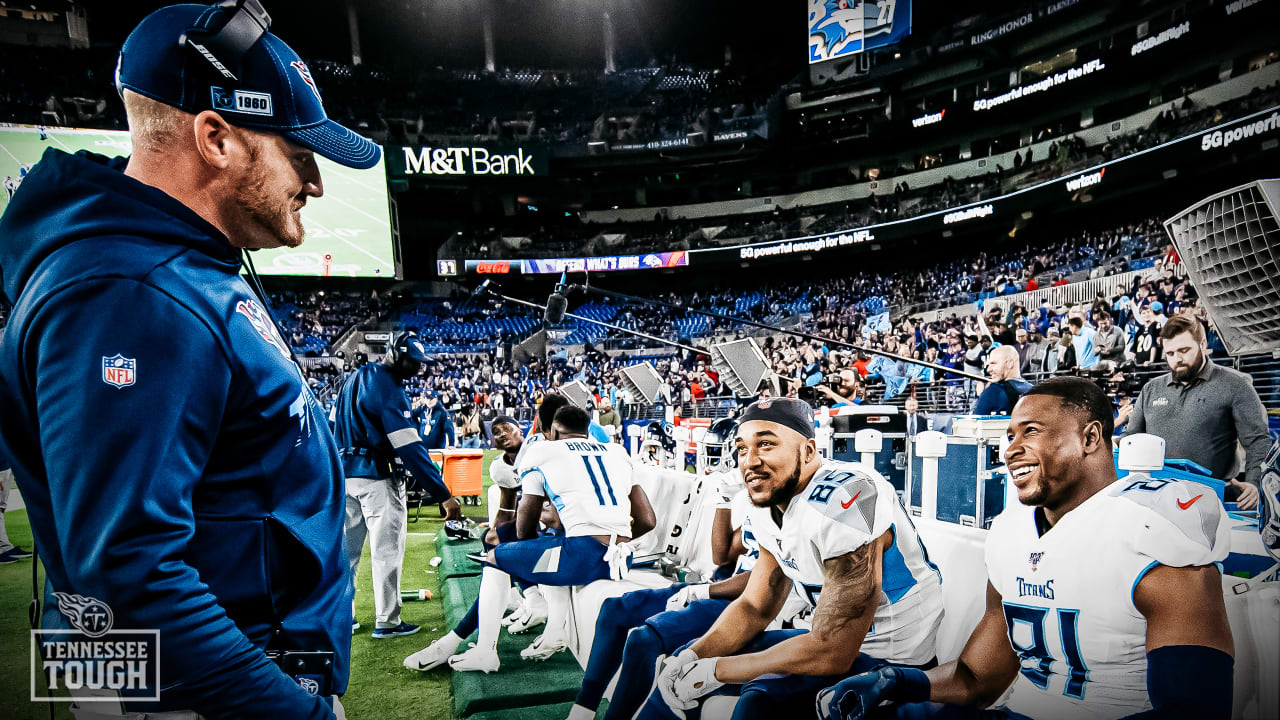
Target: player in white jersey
x: 600, y: 511
x: 838, y: 532
x: 635, y: 629
x: 533, y: 608
x: 507, y: 438
x: 1104, y: 598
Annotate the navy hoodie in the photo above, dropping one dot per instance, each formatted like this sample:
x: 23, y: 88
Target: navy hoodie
x: 173, y: 462
x: 372, y: 414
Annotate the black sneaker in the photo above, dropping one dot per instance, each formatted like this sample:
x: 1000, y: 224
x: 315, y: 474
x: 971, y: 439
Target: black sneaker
x: 12, y: 556
x: 20, y: 553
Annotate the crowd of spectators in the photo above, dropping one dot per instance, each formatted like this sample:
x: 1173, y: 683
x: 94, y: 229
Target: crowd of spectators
x: 638, y: 105
x: 852, y: 307
x: 54, y: 86
x: 1106, y: 339
x: 632, y: 106
x: 311, y: 321
x: 57, y: 86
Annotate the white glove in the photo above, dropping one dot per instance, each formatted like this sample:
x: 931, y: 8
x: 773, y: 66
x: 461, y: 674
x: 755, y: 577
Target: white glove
x: 670, y: 674
x: 726, y: 487
x: 339, y: 712
x: 685, y: 683
x: 616, y: 555
x: 687, y: 595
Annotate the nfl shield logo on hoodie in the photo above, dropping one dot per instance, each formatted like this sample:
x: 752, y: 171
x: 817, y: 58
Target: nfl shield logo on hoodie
x: 119, y: 370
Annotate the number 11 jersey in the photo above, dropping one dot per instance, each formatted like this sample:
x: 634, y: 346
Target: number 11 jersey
x: 589, y: 483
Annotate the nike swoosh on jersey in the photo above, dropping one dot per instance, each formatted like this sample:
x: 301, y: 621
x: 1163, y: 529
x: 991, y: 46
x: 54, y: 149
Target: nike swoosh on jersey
x: 1189, y: 503
x: 846, y: 505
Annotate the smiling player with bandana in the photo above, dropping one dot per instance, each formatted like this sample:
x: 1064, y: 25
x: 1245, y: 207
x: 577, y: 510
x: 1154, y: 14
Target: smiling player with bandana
x: 838, y: 532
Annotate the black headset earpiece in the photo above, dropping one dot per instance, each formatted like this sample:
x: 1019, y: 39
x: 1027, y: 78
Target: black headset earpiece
x: 225, y: 48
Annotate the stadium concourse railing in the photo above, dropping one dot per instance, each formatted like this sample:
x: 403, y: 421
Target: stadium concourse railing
x: 957, y: 395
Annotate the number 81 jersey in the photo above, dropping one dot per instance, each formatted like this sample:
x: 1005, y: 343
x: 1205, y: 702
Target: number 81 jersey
x: 1068, y: 594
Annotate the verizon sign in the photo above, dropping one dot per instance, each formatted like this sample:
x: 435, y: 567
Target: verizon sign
x: 930, y: 119
x: 1086, y: 180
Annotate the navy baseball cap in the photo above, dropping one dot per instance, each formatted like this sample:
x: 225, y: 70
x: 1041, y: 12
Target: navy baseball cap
x: 273, y: 90
x: 408, y: 343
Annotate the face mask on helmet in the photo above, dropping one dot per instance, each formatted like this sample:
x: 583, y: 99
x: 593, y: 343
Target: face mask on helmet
x: 464, y: 529
x: 715, y: 447
x: 652, y: 453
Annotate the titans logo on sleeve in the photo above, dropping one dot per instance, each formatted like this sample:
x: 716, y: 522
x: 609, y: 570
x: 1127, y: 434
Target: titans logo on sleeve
x: 261, y: 322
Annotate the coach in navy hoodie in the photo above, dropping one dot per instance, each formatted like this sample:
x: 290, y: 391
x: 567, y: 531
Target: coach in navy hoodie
x: 175, y: 466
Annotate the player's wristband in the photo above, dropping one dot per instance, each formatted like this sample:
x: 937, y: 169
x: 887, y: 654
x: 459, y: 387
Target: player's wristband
x: 911, y: 686
x: 700, y: 592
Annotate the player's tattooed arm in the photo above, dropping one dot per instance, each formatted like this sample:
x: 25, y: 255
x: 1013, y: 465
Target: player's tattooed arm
x: 986, y: 667
x: 846, y: 608
x: 850, y: 592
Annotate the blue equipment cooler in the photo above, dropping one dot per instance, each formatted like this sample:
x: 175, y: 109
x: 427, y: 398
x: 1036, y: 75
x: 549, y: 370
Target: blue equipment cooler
x: 971, y: 482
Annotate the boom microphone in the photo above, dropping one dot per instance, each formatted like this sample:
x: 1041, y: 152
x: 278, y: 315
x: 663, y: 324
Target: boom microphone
x: 480, y: 289
x: 557, y: 306
x: 557, y: 303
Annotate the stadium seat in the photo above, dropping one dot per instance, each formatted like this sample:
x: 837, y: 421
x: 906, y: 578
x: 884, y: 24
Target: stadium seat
x: 957, y: 551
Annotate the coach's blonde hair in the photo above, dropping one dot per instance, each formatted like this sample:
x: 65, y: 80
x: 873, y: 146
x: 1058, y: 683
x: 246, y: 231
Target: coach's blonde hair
x: 154, y: 126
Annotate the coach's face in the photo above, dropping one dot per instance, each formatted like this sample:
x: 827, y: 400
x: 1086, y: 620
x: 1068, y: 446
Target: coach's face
x: 1046, y: 447
x: 771, y: 458
x: 275, y: 179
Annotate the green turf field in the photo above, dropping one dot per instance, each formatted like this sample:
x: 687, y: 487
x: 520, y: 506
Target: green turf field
x: 380, y: 686
x: 351, y: 223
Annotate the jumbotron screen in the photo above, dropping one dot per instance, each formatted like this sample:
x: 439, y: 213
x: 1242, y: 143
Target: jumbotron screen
x: 842, y: 28
x: 348, y: 229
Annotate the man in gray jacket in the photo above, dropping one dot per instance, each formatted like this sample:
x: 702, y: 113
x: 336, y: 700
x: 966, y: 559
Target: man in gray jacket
x: 1202, y: 409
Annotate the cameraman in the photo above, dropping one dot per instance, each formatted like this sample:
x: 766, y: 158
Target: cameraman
x: 1202, y: 410
x: 842, y: 388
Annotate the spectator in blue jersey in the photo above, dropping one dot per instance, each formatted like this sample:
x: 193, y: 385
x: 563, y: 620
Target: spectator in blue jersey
x: 174, y: 464
x: 373, y: 427
x: 1006, y: 385
x: 1082, y: 339
x: 437, y: 424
